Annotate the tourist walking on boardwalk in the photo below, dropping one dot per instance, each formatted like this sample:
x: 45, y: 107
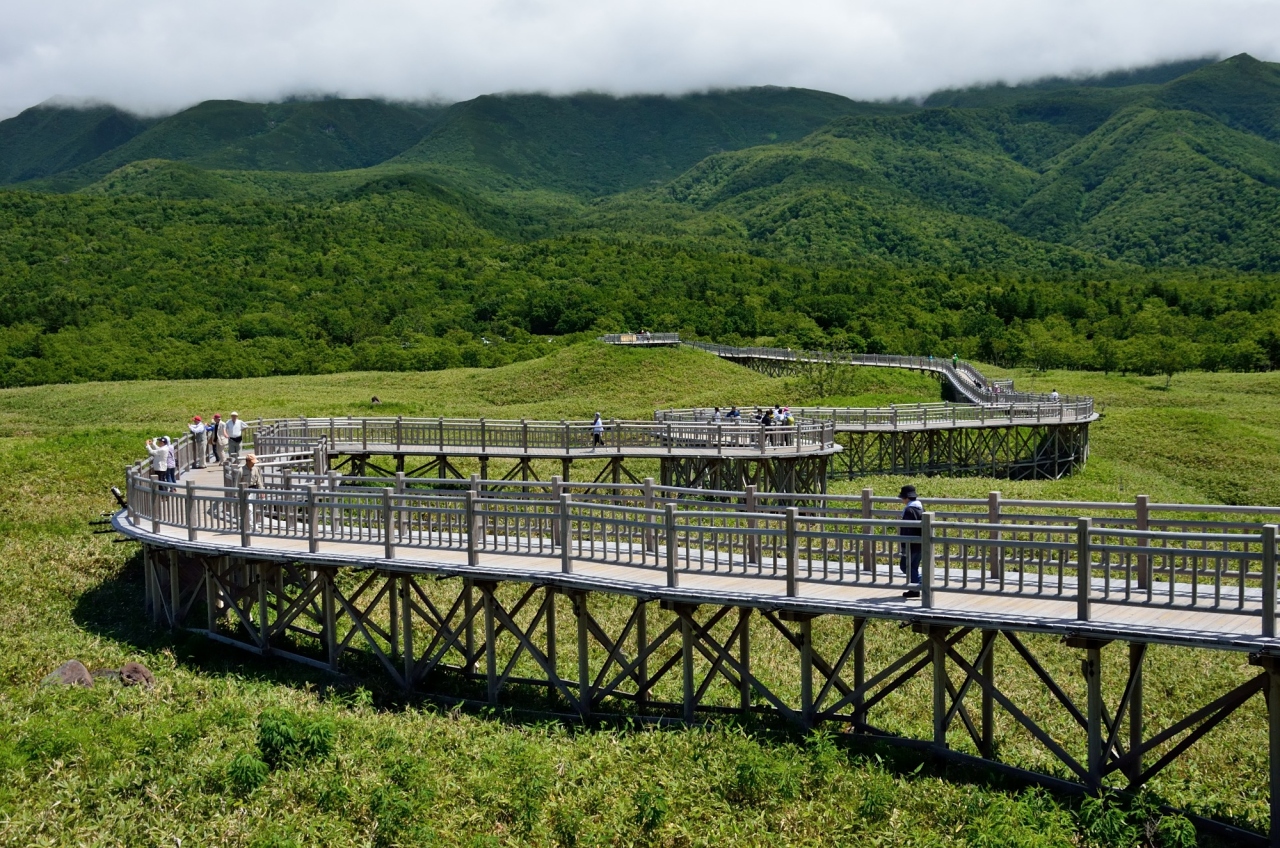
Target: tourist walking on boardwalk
x: 912, y: 510
x: 235, y: 435
x: 1054, y: 397
x: 955, y: 360
x: 597, y: 432
x: 200, y: 438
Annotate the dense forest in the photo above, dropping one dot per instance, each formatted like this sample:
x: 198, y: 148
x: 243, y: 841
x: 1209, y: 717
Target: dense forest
x: 1121, y: 223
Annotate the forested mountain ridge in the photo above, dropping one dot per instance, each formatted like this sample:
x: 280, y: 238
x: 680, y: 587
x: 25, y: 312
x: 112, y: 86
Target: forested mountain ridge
x: 1125, y: 222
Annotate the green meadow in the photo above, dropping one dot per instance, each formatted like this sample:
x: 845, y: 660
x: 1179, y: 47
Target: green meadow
x: 233, y: 750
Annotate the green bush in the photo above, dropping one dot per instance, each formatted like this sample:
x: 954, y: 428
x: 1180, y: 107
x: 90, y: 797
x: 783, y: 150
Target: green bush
x: 246, y: 773
x: 286, y: 739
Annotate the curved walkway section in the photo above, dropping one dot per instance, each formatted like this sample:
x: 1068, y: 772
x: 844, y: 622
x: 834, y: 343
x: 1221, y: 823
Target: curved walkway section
x: 436, y: 577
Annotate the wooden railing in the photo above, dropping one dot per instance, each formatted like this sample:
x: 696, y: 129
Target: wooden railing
x: 543, y: 437
x: 1209, y: 558
x: 962, y: 375
x: 917, y: 416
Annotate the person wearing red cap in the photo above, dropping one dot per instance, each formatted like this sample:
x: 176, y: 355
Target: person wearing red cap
x: 200, y: 439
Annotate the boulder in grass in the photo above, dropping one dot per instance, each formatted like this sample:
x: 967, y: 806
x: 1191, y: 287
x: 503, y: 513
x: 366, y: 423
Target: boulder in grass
x: 136, y: 674
x: 70, y: 673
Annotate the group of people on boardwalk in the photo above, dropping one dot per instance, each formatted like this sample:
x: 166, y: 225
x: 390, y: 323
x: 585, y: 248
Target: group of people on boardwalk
x: 216, y: 441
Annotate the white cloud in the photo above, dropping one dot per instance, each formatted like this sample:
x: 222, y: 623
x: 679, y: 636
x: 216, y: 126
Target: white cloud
x: 161, y: 55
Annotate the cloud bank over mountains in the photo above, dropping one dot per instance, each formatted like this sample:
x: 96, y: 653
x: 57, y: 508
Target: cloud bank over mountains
x: 157, y: 56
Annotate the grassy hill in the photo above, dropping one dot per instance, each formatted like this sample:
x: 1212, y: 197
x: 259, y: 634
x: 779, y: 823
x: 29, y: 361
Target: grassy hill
x: 106, y: 764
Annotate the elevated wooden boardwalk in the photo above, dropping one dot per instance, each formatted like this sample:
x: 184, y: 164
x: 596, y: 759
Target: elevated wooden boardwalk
x: 425, y: 578
x: 993, y: 430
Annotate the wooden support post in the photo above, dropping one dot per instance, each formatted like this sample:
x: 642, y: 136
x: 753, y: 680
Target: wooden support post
x: 175, y: 590
x: 243, y: 494
x: 806, y: 671
x: 793, y: 553
x: 1137, y: 653
x: 1273, y: 735
x: 995, y: 566
x: 210, y: 592
x: 406, y: 629
x: 938, y: 651
x: 330, y: 612
x: 553, y: 658
x: 1092, y: 668
x: 490, y: 649
x: 926, y: 561
x: 313, y: 520
x: 388, y: 525
x: 473, y: 544
x: 1142, y: 521
x: 752, y: 546
x: 673, y: 577
x: 868, y: 545
x: 566, y: 534
x: 191, y: 510
x: 1269, y: 580
x: 642, y: 648
x: 987, y: 748
x: 744, y: 656
x: 650, y: 535
x: 686, y: 662
x: 393, y: 616
x: 469, y: 607
x: 859, y: 672
x: 1084, y: 569
x: 557, y: 489
x: 584, y: 655
x: 264, y: 627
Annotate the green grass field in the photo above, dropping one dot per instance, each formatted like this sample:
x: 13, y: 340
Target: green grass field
x: 172, y: 766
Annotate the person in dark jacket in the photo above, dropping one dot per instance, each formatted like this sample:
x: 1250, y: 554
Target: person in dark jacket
x: 912, y: 510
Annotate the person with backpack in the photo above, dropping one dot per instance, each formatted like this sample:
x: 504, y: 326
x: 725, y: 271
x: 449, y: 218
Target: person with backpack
x: 912, y: 510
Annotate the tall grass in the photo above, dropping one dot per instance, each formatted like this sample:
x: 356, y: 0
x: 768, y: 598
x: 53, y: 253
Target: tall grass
x: 229, y: 750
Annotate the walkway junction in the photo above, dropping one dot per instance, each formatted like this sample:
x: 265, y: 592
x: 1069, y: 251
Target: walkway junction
x: 668, y: 602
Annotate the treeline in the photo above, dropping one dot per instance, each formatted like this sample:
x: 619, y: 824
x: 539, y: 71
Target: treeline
x: 96, y: 288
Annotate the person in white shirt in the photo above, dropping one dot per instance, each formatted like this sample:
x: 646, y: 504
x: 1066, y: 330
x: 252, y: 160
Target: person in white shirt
x: 235, y: 435
x: 597, y: 432
x: 1054, y: 397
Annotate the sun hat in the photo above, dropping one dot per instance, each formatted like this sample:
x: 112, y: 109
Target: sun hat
x: 907, y: 492
x: 197, y: 418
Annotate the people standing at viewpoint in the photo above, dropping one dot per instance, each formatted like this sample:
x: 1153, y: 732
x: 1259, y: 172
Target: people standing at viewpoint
x: 218, y: 438
x: 912, y: 510
x: 158, y: 449
x: 200, y: 439
x: 235, y: 435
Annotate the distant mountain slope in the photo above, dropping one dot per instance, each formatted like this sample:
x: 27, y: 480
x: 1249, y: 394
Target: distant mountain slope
x: 1163, y: 187
x: 596, y: 144
x: 321, y: 135
x: 1241, y: 92
x: 47, y: 139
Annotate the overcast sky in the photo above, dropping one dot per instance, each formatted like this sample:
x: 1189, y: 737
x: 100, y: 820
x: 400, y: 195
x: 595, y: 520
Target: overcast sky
x: 158, y: 56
